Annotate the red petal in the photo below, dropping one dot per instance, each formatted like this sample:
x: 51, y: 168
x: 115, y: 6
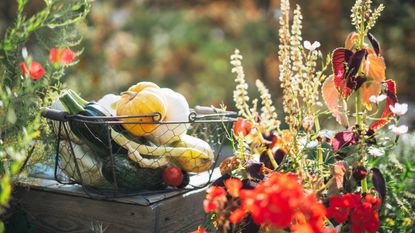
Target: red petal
x: 237, y: 216
x: 67, y: 56
x: 242, y: 126
x: 340, y: 58
x: 233, y: 186
x: 390, y: 101
x: 209, y: 206
x: 36, y: 70
x: 199, y: 230
x: 53, y: 55
x: 23, y: 67
x: 332, y: 97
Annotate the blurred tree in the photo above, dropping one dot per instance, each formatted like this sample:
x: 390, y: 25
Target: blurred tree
x: 185, y: 45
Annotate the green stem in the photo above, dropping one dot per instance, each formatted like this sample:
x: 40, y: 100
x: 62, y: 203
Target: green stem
x: 319, y: 148
x: 364, y: 185
x: 271, y: 158
x: 358, y: 108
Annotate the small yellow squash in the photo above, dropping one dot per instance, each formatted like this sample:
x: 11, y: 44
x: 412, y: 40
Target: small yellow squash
x: 144, y: 102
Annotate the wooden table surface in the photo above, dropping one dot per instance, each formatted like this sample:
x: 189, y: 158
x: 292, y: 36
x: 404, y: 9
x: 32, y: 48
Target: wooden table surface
x: 56, y: 208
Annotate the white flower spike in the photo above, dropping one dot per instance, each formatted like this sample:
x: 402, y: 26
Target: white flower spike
x: 377, y: 99
x: 311, y: 47
x: 403, y: 129
x: 399, y: 109
x: 376, y: 152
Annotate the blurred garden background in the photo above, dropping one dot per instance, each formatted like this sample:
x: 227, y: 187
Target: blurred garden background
x: 185, y: 45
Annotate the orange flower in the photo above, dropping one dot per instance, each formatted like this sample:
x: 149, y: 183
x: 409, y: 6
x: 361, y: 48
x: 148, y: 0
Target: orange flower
x: 35, y: 70
x: 215, y: 199
x: 199, y: 230
x: 281, y: 202
x: 237, y: 216
x: 61, y: 55
x: 242, y: 126
x: 233, y: 186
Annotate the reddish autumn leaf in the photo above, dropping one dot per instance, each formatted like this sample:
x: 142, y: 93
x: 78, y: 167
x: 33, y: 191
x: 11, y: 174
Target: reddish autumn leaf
x: 334, y: 103
x: 344, y: 139
x: 346, y: 65
x: 374, y: 42
x: 379, y: 182
x: 242, y: 126
x: 340, y: 58
x: 335, y: 184
x: 351, y: 39
x: 375, y: 67
x: 391, y: 100
x: 355, y: 62
x: 368, y: 89
x: 35, y: 70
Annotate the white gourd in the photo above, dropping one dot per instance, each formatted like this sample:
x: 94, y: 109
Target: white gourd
x: 89, y: 165
x: 109, y: 102
x: 177, y: 110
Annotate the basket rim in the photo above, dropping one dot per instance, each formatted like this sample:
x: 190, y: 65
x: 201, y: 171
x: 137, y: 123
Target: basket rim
x: 194, y: 117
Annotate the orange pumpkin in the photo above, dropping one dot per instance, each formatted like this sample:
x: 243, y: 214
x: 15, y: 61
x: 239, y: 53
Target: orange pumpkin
x: 144, y: 102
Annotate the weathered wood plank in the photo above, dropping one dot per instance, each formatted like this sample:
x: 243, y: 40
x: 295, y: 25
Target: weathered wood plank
x: 182, y: 214
x: 53, y: 213
x: 57, y: 212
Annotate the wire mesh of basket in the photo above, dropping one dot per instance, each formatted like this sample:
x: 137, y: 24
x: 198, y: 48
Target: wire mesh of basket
x: 107, y: 158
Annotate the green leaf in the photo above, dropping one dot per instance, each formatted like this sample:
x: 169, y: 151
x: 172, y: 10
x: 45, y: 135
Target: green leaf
x: 5, y: 190
x: 11, y: 116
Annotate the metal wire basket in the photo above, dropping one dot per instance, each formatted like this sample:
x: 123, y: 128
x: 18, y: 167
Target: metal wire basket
x: 113, y: 162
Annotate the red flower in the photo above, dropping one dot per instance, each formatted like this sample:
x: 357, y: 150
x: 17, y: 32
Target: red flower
x: 281, y: 202
x: 237, y: 216
x: 35, y: 70
x: 61, y: 55
x: 199, y: 230
x: 233, y: 186
x: 361, y: 211
x: 215, y: 199
x: 242, y: 126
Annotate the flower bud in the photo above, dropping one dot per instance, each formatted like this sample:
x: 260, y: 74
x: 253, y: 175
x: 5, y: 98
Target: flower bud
x: 359, y: 173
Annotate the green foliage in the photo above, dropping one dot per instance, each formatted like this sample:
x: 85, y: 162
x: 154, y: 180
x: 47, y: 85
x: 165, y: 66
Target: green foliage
x: 398, y: 168
x: 21, y: 98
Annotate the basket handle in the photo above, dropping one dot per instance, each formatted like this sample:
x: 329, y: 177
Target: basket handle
x: 54, y: 114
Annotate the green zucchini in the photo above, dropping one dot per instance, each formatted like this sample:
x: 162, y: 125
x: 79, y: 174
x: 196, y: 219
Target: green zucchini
x: 130, y: 176
x: 96, y: 136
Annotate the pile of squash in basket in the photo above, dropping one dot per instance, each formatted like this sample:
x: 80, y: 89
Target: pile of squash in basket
x: 137, y: 139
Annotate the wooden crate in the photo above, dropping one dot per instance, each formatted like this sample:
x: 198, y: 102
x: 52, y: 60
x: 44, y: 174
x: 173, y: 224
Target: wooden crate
x: 56, y: 208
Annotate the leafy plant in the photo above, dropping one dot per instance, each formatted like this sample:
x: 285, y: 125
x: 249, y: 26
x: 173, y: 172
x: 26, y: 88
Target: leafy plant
x: 26, y: 86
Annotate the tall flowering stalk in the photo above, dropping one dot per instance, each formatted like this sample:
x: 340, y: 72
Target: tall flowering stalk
x: 279, y: 178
